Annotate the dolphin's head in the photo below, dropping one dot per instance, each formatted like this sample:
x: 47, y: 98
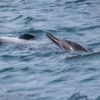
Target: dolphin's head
x: 53, y: 38
x: 26, y: 36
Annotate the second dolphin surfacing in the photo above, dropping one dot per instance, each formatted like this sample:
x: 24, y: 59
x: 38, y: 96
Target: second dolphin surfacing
x: 22, y: 39
x: 66, y: 44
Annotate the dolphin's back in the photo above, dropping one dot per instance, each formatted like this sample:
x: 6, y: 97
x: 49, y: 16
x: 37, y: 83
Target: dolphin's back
x: 73, y: 46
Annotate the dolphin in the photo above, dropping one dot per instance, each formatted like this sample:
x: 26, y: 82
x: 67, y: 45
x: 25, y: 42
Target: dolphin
x: 66, y: 44
x: 22, y: 39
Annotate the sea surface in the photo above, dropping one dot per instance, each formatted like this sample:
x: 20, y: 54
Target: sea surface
x: 43, y: 71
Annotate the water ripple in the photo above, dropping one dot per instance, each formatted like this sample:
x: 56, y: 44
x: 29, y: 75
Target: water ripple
x: 76, y: 1
x: 77, y: 96
x: 42, y: 71
x: 6, y: 69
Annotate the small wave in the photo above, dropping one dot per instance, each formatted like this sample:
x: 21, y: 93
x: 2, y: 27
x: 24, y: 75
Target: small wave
x: 70, y: 29
x: 7, y: 69
x: 16, y: 18
x: 27, y: 20
x: 78, y: 96
x: 83, y: 56
x: 75, y: 1
x: 56, y: 81
x: 12, y: 57
x: 9, y: 57
x: 90, y: 27
x: 98, y: 98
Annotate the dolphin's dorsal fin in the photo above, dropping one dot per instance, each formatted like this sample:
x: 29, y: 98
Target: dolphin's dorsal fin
x: 26, y: 36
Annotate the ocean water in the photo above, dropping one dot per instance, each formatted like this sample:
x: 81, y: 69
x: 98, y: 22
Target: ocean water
x: 43, y: 71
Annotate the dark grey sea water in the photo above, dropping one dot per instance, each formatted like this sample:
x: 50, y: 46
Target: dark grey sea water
x: 42, y: 71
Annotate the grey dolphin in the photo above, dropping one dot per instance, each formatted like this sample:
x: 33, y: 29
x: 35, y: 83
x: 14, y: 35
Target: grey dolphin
x: 66, y: 44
